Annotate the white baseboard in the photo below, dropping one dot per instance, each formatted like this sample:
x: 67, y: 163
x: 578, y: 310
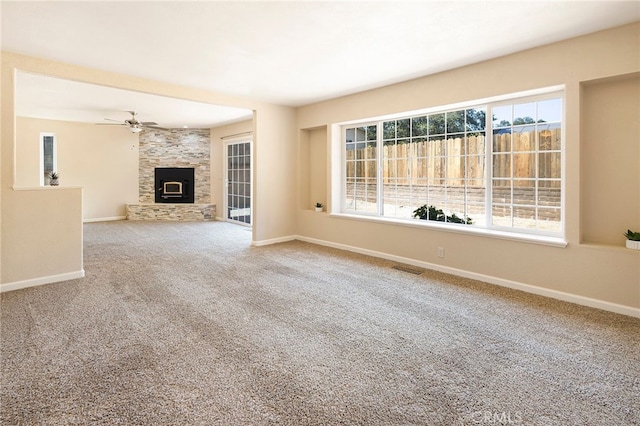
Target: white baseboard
x: 17, y: 285
x: 541, y: 291
x: 103, y: 219
x: 274, y: 241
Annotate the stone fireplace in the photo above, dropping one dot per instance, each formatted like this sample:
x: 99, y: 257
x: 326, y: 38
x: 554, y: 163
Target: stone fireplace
x: 174, y: 176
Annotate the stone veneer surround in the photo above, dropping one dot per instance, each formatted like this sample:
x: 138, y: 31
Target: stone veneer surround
x: 174, y: 148
x: 177, y: 212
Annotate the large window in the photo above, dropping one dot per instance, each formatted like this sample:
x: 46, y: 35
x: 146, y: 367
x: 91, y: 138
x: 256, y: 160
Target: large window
x: 496, y: 165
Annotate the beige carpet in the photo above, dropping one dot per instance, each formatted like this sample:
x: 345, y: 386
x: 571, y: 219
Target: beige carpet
x: 187, y: 324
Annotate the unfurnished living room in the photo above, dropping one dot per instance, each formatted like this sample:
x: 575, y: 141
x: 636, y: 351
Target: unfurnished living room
x: 320, y: 212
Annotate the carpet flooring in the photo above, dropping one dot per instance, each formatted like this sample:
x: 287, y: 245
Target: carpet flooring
x: 188, y: 324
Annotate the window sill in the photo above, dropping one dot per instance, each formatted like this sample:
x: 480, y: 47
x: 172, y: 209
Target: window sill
x: 459, y: 229
x: 608, y: 247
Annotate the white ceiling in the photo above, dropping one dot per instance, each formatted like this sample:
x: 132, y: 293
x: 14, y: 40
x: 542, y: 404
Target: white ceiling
x: 57, y: 99
x: 290, y: 52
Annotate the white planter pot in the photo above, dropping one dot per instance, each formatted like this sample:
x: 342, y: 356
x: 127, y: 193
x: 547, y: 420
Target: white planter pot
x: 318, y: 209
x: 633, y: 245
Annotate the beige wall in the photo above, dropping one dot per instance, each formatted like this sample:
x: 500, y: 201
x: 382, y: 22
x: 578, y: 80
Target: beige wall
x: 313, y: 151
x: 610, y: 159
x: 274, y: 175
x: 601, y: 274
x: 103, y: 160
x: 34, y: 221
x: 45, y: 236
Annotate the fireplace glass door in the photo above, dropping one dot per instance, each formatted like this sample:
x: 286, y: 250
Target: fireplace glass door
x: 238, y: 184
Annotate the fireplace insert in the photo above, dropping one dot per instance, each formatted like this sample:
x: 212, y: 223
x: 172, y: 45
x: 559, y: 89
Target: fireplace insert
x: 174, y: 184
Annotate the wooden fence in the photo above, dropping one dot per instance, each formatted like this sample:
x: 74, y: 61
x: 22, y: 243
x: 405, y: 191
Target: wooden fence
x: 451, y: 161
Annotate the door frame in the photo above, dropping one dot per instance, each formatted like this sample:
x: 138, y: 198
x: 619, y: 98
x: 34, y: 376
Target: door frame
x: 225, y: 187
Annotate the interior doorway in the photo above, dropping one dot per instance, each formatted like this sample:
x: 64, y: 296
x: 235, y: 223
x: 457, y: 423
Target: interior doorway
x: 238, y: 203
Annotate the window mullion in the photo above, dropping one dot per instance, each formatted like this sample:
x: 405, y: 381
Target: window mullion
x: 380, y: 168
x: 488, y: 162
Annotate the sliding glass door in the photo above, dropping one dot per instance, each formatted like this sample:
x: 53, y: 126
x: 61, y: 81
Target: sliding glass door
x: 238, y: 182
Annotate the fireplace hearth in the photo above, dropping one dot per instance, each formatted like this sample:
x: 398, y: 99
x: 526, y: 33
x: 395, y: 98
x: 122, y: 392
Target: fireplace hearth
x: 174, y: 185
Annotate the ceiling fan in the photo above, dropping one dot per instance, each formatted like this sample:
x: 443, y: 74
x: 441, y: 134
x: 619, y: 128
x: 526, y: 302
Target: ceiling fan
x: 133, y: 124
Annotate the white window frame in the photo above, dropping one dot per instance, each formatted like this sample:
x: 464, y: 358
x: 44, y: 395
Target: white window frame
x: 55, y: 155
x: 343, y: 204
x: 225, y: 196
x: 489, y: 164
x: 533, y: 235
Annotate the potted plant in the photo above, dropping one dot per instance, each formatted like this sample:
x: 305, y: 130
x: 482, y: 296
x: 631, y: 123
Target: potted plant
x: 53, y: 179
x: 633, y: 239
x: 427, y: 212
x: 319, y: 207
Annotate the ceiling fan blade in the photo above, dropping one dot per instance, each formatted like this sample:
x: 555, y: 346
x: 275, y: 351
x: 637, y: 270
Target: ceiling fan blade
x: 133, y: 123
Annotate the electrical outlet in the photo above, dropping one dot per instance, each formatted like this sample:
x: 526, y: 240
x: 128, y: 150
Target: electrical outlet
x: 441, y: 252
